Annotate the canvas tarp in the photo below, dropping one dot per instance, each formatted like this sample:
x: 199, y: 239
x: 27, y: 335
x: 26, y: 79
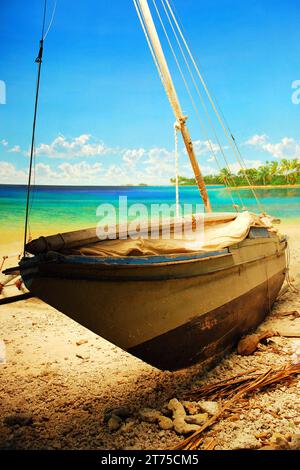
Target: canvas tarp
x: 216, y: 233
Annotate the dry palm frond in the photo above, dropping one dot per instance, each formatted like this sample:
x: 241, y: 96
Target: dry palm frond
x: 234, y: 389
x: 210, y: 445
x: 222, y: 388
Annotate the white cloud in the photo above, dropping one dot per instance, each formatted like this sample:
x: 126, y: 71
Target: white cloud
x: 208, y: 170
x: 132, y: 156
x: 70, y: 173
x: 159, y: 153
x: 4, y: 142
x: 156, y: 166
x: 81, y: 171
x: 9, y: 174
x: 205, y: 170
x: 160, y: 162
x: 45, y: 171
x: 65, y: 173
x: 81, y: 146
x: 117, y: 175
x: 236, y: 167
x: 286, y: 148
x: 132, y: 166
x: 157, y: 169
x: 15, y: 149
x: 257, y: 140
x: 202, y: 147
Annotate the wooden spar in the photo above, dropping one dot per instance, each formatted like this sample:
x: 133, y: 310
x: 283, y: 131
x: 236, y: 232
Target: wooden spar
x: 15, y: 298
x: 173, y: 98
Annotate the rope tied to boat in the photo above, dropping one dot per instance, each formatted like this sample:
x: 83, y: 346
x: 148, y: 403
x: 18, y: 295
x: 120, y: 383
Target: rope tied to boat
x: 39, y: 61
x: 13, y: 280
x: 4, y: 258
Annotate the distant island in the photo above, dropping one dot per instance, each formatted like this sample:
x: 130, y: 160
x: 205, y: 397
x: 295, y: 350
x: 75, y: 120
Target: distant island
x: 275, y: 173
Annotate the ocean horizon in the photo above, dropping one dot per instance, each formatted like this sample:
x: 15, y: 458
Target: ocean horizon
x: 61, y: 208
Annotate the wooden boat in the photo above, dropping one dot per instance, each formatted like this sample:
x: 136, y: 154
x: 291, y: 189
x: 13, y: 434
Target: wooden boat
x: 168, y: 310
x: 171, y: 305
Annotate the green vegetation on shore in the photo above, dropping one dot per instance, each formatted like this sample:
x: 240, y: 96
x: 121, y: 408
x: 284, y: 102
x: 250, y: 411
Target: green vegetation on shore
x: 273, y: 173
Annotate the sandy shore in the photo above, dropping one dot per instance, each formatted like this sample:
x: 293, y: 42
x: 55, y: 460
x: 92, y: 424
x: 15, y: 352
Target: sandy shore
x: 258, y: 186
x: 63, y: 381
x: 268, y: 186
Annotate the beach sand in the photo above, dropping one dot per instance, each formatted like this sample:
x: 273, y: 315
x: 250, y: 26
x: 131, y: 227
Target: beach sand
x: 64, y: 380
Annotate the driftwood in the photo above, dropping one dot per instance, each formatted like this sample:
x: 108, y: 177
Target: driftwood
x: 249, y: 344
x: 285, y: 328
x: 293, y: 313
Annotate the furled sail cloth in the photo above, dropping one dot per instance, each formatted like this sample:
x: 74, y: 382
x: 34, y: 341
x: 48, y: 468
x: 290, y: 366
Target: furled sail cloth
x: 218, y: 232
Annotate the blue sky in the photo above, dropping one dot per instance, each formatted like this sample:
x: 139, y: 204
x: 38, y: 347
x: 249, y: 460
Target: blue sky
x: 103, y: 115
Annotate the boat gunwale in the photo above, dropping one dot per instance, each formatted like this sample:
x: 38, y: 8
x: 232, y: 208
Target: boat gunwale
x: 86, y: 276
x: 146, y: 261
x: 143, y: 261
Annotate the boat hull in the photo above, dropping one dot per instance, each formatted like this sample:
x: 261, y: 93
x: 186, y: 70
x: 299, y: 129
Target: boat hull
x: 203, y: 337
x: 169, y: 314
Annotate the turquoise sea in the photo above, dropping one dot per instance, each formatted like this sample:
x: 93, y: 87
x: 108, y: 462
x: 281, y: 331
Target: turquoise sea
x: 57, y: 208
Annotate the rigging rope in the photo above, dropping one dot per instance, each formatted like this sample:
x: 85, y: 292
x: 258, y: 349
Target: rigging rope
x: 227, y: 179
x: 51, y: 20
x: 230, y: 141
x: 38, y: 60
x: 172, y: 96
x: 176, y: 128
x: 44, y: 19
x: 230, y: 132
x: 194, y: 104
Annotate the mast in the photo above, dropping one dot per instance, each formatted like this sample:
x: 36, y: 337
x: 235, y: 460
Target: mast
x: 173, y: 98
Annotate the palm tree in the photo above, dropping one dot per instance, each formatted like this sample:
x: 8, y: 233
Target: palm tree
x: 271, y: 172
x: 248, y: 175
x: 284, y: 168
x: 273, y: 168
x: 294, y: 170
x: 290, y: 169
x: 263, y: 174
x: 224, y: 175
